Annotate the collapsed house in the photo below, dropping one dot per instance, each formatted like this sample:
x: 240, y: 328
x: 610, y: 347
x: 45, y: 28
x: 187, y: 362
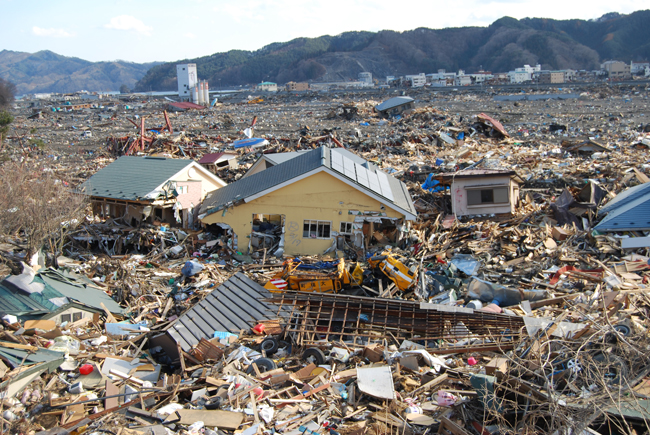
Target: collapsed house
x: 310, y: 200
x: 150, y: 189
x: 395, y: 106
x: 628, y: 211
x: 216, y: 161
x: 481, y: 191
x: 53, y: 295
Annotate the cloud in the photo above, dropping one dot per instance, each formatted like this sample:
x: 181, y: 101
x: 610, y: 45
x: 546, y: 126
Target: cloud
x: 127, y: 22
x: 190, y: 35
x: 52, y: 33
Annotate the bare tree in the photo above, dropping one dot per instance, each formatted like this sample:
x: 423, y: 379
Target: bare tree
x: 37, y: 208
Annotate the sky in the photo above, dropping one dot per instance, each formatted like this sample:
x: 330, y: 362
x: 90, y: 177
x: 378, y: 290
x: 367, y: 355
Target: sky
x: 165, y: 30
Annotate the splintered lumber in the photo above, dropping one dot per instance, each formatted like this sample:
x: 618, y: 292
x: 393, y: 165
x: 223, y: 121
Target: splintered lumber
x: 211, y: 418
x: 443, y: 377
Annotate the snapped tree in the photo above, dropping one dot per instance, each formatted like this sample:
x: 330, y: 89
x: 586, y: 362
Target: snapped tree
x: 5, y: 120
x: 37, y: 209
x: 7, y: 94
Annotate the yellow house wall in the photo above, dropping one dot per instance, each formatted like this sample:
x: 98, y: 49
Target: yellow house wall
x: 319, y: 197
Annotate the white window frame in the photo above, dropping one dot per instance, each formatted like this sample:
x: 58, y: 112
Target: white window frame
x: 349, y: 227
x: 483, y: 204
x: 318, y: 223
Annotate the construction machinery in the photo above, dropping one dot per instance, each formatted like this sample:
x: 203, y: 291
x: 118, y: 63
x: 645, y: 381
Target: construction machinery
x: 322, y: 277
x: 403, y: 276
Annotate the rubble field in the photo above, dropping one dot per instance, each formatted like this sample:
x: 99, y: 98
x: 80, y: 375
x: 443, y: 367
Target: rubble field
x: 515, y: 323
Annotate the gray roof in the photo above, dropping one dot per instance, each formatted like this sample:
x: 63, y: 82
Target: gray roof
x: 393, y: 102
x: 19, y: 304
x: 628, y: 215
x: 277, y: 158
x: 625, y: 197
x: 234, y: 305
x: 75, y: 289
x: 132, y: 178
x: 32, y: 295
x: 295, y: 167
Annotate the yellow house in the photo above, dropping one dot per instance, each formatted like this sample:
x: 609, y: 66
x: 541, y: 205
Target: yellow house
x: 145, y: 189
x: 310, y: 200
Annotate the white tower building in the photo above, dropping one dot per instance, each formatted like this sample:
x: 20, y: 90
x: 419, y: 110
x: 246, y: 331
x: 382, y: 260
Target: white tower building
x: 187, y: 80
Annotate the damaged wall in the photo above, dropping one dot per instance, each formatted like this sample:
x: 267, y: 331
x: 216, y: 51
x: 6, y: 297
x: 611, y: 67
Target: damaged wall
x: 318, y: 197
x: 199, y: 173
x: 461, y: 186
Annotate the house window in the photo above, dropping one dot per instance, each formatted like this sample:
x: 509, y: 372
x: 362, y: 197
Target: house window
x: 495, y: 195
x: 346, y: 228
x: 65, y: 318
x: 316, y: 229
x: 77, y: 316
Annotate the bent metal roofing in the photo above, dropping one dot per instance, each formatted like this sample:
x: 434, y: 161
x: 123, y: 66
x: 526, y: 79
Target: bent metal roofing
x: 392, y: 192
x: 235, y: 305
x: 132, y: 178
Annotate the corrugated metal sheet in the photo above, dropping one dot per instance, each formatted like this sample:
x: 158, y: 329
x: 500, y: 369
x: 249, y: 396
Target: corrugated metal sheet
x: 234, y: 305
x: 184, y: 105
x: 18, y: 304
x: 76, y: 290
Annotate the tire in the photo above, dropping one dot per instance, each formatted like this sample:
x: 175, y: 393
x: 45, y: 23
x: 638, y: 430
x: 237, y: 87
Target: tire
x: 285, y: 345
x: 214, y: 403
x: 263, y: 365
x: 270, y: 346
x: 608, y: 368
x: 315, y: 354
x: 622, y: 329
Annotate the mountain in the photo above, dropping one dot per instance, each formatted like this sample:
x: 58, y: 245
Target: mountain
x: 504, y: 45
x: 46, y: 71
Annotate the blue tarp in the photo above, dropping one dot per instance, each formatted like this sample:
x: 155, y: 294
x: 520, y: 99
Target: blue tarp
x: 317, y: 266
x: 252, y: 142
x: 432, y: 185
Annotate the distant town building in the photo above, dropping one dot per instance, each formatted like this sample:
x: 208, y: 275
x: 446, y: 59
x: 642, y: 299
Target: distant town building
x: 569, y: 75
x: 524, y: 74
x: 615, y: 69
x: 551, y: 77
x: 462, y: 79
x: 365, y: 77
x: 297, y: 87
x: 481, y: 77
x: 187, y: 80
x: 639, y: 68
x: 441, y: 78
x: 416, y: 81
x: 267, y: 86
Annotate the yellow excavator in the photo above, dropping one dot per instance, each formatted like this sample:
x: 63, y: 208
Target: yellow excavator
x: 404, y: 277
x: 322, y: 277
